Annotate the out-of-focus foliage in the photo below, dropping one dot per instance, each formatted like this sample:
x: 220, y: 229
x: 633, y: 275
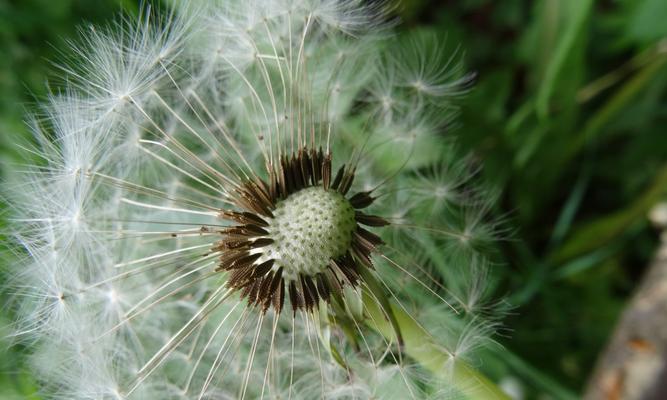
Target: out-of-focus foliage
x: 32, y: 34
x: 567, y: 118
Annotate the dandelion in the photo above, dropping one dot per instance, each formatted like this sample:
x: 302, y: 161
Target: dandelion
x: 252, y: 199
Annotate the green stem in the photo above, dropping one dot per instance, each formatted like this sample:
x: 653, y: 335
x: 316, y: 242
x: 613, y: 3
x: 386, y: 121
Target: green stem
x: 420, y: 346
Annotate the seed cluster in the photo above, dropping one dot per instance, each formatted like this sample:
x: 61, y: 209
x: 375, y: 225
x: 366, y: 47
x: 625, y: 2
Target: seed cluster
x: 298, y: 234
x: 309, y: 228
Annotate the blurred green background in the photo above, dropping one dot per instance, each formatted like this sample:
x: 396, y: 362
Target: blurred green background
x: 568, y: 117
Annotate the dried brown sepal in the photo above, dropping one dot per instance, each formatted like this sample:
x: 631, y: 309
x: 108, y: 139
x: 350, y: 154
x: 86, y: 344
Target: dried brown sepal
x: 273, y: 287
x: 370, y: 220
x: 243, y: 231
x: 248, y: 201
x: 262, y: 242
x: 310, y: 285
x: 243, y: 218
x: 362, y: 200
x: 244, y: 261
x: 295, y: 297
x: 318, y: 170
x: 264, y: 289
x: 308, y: 297
x: 273, y: 183
x: 335, y: 285
x: 323, y: 286
x: 338, y: 178
x: 347, y: 267
x: 241, y: 277
x: 232, y: 244
x: 281, y: 181
x: 326, y: 172
x: 305, y: 168
x: 264, y: 192
x: 258, y: 197
x: 279, y: 293
x: 346, y: 182
x: 253, y: 230
x: 228, y: 258
x: 254, y: 290
x: 362, y: 253
x: 295, y: 170
x: 314, y: 166
x: 261, y: 269
x: 372, y: 238
x: 246, y: 289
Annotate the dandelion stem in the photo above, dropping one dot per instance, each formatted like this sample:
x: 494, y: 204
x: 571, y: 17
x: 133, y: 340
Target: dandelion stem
x: 420, y: 346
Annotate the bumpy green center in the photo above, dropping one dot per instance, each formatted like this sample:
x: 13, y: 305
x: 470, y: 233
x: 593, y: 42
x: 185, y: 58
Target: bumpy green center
x: 309, y: 228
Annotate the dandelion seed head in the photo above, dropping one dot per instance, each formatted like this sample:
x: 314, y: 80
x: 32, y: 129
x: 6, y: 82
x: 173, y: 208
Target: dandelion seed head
x: 203, y: 170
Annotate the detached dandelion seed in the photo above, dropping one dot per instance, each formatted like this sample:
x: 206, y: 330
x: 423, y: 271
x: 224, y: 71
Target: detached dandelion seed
x: 236, y: 201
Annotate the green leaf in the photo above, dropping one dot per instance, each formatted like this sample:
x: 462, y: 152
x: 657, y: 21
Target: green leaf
x: 574, y: 29
x: 534, y: 376
x: 601, y: 231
